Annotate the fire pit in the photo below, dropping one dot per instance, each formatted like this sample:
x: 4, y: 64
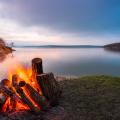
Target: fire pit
x: 30, y: 93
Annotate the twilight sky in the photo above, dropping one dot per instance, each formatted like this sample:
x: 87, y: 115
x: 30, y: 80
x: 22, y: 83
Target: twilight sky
x: 46, y: 22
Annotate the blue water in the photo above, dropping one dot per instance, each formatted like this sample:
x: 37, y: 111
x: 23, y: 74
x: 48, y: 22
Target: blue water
x: 61, y: 61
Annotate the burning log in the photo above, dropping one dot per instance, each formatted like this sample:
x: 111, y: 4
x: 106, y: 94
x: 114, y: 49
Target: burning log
x: 37, y: 67
x: 15, y: 81
x: 26, y: 100
x: 23, y: 96
x: 3, y: 99
x: 39, y: 99
x: 11, y: 95
x: 50, y: 87
x: 8, y: 92
x: 13, y: 103
x: 5, y: 82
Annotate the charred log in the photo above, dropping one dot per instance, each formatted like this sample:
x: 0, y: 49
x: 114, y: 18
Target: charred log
x: 39, y: 99
x: 3, y: 99
x: 37, y: 67
x: 26, y: 100
x: 9, y: 93
x: 50, y: 87
x: 5, y: 82
x: 23, y: 96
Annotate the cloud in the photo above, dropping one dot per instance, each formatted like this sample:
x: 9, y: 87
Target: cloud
x: 60, y: 21
x: 67, y: 15
x: 13, y: 31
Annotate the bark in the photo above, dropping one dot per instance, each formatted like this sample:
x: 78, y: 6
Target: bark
x: 37, y: 67
x: 50, y: 87
x: 9, y: 93
x: 3, y: 99
x: 39, y: 99
x: 23, y: 96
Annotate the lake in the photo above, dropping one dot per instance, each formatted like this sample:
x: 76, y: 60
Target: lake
x: 66, y: 61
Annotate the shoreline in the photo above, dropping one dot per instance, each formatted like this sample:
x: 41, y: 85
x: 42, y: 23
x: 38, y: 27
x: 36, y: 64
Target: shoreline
x: 65, y: 77
x: 69, y: 77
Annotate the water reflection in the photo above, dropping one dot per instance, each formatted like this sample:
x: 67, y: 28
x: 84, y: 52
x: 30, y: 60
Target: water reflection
x: 83, y: 61
x: 112, y: 51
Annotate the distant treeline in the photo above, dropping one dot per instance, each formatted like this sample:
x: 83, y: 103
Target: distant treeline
x: 63, y: 46
x: 113, y: 47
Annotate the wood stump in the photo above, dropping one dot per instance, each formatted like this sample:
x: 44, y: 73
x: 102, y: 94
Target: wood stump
x: 37, y: 67
x: 47, y: 82
x: 49, y: 87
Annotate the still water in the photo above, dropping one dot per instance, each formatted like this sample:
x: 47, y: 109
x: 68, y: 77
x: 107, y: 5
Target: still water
x: 61, y: 61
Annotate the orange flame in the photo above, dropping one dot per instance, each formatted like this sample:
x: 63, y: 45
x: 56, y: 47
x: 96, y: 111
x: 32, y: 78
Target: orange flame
x: 6, y: 105
x: 26, y: 75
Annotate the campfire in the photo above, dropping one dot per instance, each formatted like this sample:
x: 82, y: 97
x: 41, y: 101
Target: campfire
x: 29, y: 90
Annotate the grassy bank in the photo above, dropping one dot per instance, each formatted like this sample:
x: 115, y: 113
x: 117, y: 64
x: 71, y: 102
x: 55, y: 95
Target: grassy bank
x: 92, y: 98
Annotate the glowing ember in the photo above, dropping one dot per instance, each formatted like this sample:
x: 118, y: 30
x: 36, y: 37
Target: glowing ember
x: 24, y: 75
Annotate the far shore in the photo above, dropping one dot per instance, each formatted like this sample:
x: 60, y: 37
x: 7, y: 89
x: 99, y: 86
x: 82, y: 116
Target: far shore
x: 113, y: 47
x: 58, y: 46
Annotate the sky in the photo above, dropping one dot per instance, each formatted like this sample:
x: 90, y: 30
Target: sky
x: 60, y: 22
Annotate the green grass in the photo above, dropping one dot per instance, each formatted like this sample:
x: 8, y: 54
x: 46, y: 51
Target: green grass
x: 92, y: 98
